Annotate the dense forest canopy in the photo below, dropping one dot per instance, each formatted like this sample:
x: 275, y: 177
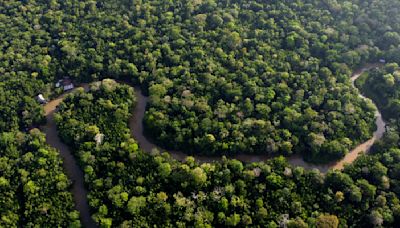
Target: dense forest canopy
x: 223, y: 77
x: 383, y: 86
x: 34, y: 190
x: 104, y: 110
x: 131, y: 188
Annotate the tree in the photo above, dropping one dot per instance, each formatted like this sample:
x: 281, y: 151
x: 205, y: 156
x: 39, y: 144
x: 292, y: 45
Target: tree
x: 136, y: 204
x: 164, y: 169
x: 199, y: 176
x: 117, y: 196
x: 327, y: 221
x: 297, y: 223
x: 233, y: 220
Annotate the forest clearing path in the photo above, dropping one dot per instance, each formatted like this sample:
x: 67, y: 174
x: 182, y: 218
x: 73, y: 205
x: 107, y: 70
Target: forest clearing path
x: 76, y: 175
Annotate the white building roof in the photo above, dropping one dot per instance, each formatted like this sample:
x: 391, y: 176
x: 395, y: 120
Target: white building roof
x: 68, y: 87
x: 41, y: 98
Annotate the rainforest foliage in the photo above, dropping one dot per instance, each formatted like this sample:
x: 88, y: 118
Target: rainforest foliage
x: 34, y: 190
x: 18, y: 106
x: 383, y: 86
x: 131, y: 188
x: 224, y: 77
x: 104, y: 110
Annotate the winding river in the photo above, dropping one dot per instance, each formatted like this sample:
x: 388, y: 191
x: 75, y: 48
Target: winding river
x: 74, y: 172
x: 136, y: 126
x: 76, y: 175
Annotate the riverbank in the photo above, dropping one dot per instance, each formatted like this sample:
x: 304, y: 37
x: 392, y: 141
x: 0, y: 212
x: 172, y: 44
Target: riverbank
x: 76, y: 175
x: 73, y: 171
x: 136, y: 127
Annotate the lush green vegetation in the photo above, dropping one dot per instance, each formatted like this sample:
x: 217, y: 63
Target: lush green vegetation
x: 259, y: 77
x: 34, y: 191
x: 134, y: 189
x: 18, y: 106
x: 224, y: 77
x: 383, y: 86
x: 104, y: 110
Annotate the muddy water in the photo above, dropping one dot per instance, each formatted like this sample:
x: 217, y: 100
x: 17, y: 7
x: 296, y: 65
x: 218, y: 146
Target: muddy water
x: 360, y: 149
x: 70, y: 165
x: 136, y: 126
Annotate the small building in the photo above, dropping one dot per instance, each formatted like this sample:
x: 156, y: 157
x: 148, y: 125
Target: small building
x: 382, y: 61
x: 99, y: 138
x: 58, y: 84
x: 41, y: 99
x: 65, y: 83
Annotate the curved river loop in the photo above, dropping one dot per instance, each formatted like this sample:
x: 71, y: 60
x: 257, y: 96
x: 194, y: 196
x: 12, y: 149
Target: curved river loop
x: 76, y: 175
x: 136, y: 126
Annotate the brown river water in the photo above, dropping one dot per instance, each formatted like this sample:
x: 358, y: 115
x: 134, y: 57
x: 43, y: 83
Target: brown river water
x: 75, y: 174
x: 136, y: 126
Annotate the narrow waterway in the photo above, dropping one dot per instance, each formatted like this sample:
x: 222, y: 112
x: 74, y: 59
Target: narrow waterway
x: 136, y: 126
x: 74, y: 172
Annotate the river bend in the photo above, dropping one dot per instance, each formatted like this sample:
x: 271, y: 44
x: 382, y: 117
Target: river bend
x: 76, y: 175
